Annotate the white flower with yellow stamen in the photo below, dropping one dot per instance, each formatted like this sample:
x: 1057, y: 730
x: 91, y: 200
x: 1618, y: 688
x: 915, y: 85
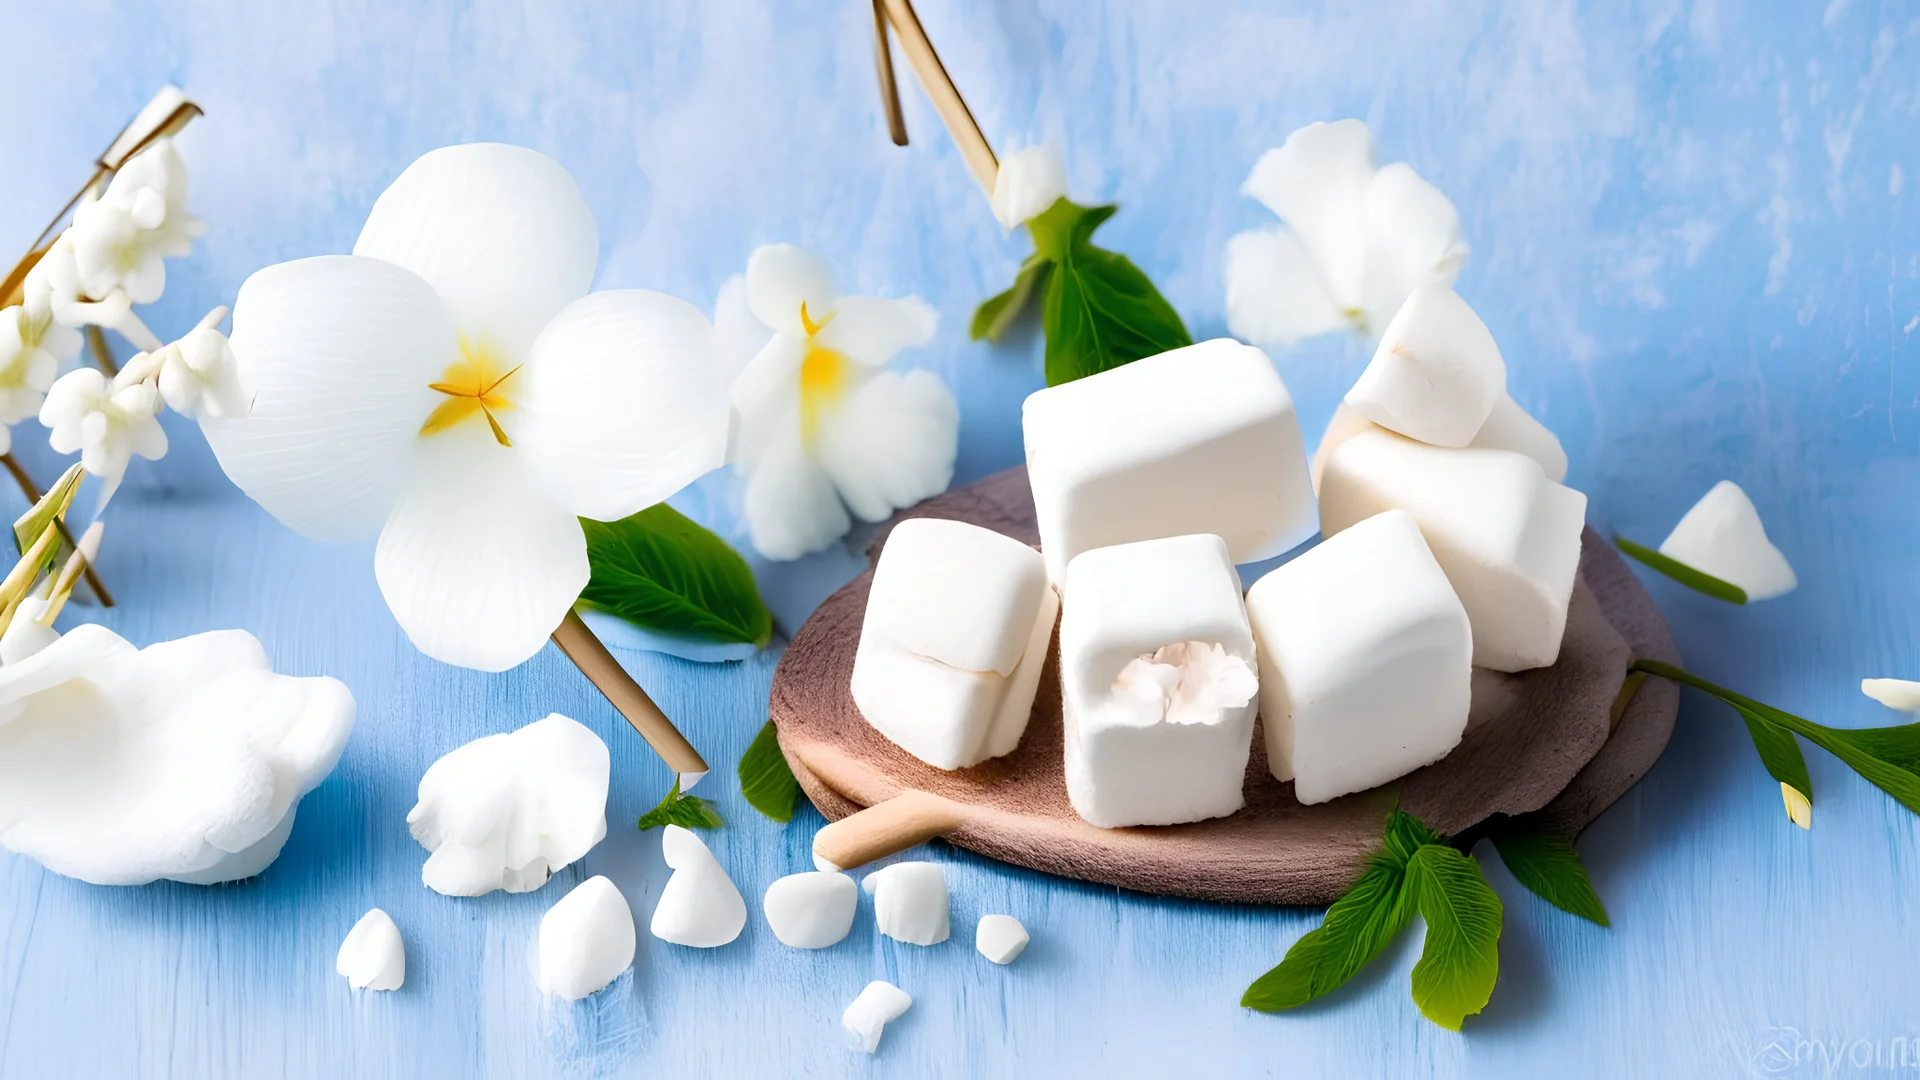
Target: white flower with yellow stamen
x: 452, y: 386
x: 822, y: 430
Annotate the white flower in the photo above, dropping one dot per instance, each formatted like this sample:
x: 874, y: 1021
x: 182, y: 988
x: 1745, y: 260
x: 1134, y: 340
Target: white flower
x: 198, y: 375
x: 33, y: 345
x: 821, y: 429
x: 107, y: 424
x: 1027, y: 183
x: 120, y: 239
x: 1356, y: 239
x: 452, y: 386
x: 183, y: 760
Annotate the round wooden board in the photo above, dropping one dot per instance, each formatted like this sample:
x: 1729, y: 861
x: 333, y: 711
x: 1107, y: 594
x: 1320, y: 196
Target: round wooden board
x: 1541, y: 740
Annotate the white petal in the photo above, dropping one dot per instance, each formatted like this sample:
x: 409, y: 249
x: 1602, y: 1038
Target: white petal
x: 1027, y: 183
x: 476, y: 564
x: 892, y: 443
x: 790, y: 504
x: 373, y: 957
x: 620, y: 405
x: 1274, y: 291
x: 870, y: 330
x: 738, y: 335
x: 335, y: 354
x: 1899, y: 694
x: 1412, y: 239
x: 1316, y: 182
x: 501, y: 232
x: 765, y: 397
x: 781, y: 277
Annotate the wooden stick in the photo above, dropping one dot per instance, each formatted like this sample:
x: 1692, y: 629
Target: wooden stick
x: 605, y: 673
x: 908, y: 819
x: 102, y: 352
x: 889, y: 89
x: 946, y: 96
x: 32, y: 491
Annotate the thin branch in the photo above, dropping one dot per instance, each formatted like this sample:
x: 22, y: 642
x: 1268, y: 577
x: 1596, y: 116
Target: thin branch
x: 588, y: 654
x: 946, y: 96
x: 889, y: 89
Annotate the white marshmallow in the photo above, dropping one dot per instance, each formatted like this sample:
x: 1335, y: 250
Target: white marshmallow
x: 1366, y: 657
x: 1898, y: 694
x: 956, y: 633
x: 586, y: 940
x: 812, y: 910
x: 1508, y: 538
x: 700, y: 906
x: 1000, y: 938
x: 877, y: 1006
x: 373, y: 957
x: 1198, y: 440
x: 1722, y: 536
x: 1510, y: 427
x: 1157, y: 679
x: 1436, y: 374
x: 910, y: 902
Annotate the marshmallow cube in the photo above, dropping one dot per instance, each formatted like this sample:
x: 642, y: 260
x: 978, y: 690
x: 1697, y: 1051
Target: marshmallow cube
x: 957, y: 628
x: 1157, y: 681
x: 1366, y: 657
x: 1722, y: 536
x: 1507, y: 537
x: 1202, y: 439
x: 1510, y: 427
x: 1437, y: 373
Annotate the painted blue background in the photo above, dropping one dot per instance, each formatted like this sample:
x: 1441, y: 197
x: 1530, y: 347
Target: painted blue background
x: 1693, y: 235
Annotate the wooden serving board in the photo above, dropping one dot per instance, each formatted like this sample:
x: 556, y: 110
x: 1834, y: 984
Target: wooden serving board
x: 1550, y: 739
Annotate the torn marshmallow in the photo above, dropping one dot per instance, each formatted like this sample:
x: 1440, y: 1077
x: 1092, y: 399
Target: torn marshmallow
x: 1436, y: 374
x: 1000, y: 938
x: 1366, y: 656
x: 700, y: 905
x: 957, y: 628
x: 373, y: 957
x: 586, y: 940
x: 1198, y: 440
x: 811, y: 910
x: 1158, y: 683
x: 1722, y: 536
x: 1507, y: 537
x: 878, y: 1005
x: 1508, y: 427
x: 910, y: 902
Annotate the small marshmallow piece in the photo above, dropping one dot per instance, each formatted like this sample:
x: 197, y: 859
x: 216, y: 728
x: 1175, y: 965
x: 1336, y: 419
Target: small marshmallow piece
x: 910, y: 902
x: 812, y: 910
x: 700, y: 905
x: 1508, y: 538
x: 586, y: 940
x: 1510, y: 427
x: 1366, y: 660
x: 1437, y: 373
x: 956, y: 633
x: 1722, y: 536
x: 373, y: 957
x: 1144, y: 745
x: 878, y: 1005
x: 1893, y: 693
x: 1198, y: 440
x: 1028, y: 182
x: 1000, y: 938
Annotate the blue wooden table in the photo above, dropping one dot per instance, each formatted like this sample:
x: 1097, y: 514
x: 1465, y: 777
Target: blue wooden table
x: 1693, y: 234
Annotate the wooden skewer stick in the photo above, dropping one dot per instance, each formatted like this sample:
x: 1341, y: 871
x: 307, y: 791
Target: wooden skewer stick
x: 889, y: 89
x: 906, y: 820
x: 590, y: 655
x: 946, y: 96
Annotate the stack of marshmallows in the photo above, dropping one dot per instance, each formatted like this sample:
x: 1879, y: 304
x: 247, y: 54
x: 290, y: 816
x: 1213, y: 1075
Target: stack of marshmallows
x: 1449, y: 542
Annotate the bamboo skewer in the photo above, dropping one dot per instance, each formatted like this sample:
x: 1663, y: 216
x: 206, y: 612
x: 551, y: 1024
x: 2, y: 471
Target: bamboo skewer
x: 889, y: 89
x: 940, y: 88
x: 588, y: 654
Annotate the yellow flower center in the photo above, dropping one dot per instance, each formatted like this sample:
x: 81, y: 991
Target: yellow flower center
x: 473, y: 384
x: 825, y: 377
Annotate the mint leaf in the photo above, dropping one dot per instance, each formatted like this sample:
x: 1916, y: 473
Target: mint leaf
x: 1101, y: 311
x: 1549, y: 868
x: 686, y: 811
x: 1698, y: 580
x: 766, y: 780
x: 1405, y: 835
x: 1461, y: 958
x: 1355, y: 930
x: 661, y: 571
x: 996, y: 315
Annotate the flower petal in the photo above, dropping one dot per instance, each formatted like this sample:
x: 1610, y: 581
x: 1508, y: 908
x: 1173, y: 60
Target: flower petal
x: 476, y: 564
x: 1413, y: 239
x: 869, y: 330
x: 620, y: 403
x: 1028, y: 182
x: 738, y: 335
x: 766, y: 395
x: 1316, y: 182
x: 790, y: 503
x: 781, y: 277
x: 1274, y: 291
x: 501, y: 232
x: 335, y: 354
x: 892, y: 443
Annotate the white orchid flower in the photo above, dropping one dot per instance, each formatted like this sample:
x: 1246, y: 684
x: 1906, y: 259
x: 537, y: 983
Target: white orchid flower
x: 106, y: 422
x: 121, y: 239
x: 821, y: 429
x: 452, y: 386
x: 198, y: 374
x: 1356, y: 240
x: 1027, y: 183
x: 33, y: 345
x: 184, y: 760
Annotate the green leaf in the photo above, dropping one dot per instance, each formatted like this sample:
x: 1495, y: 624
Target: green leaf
x: 1405, y: 835
x: 1355, y: 930
x: 1101, y: 311
x: 663, y: 572
x: 1461, y: 958
x: 994, y: 317
x: 686, y: 811
x: 1698, y: 580
x: 766, y: 780
x: 1549, y: 868
x: 1784, y: 762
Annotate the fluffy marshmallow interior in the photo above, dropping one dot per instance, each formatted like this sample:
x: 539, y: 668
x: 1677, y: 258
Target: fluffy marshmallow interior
x: 1187, y: 682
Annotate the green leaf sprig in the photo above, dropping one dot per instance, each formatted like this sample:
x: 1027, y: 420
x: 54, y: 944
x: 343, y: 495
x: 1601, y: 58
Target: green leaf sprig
x: 766, y: 780
x: 1697, y: 580
x: 1549, y: 867
x: 661, y: 571
x: 1098, y: 310
x: 686, y: 811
